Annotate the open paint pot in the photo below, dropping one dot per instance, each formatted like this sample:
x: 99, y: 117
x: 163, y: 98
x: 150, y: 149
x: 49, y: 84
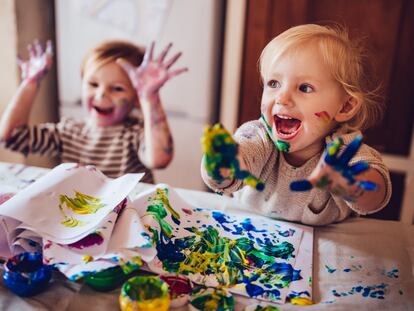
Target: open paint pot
x: 180, y: 289
x: 144, y: 293
x: 260, y: 307
x: 107, y: 279
x: 26, y: 275
x: 211, y: 299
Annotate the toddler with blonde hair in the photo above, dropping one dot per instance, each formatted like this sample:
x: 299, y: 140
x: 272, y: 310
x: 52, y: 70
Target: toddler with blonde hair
x: 306, y: 147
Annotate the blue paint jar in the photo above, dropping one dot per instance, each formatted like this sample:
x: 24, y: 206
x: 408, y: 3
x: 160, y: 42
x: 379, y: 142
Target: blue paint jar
x: 26, y: 275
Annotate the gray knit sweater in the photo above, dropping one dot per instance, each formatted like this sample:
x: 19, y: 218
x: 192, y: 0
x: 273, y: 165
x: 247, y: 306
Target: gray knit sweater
x: 315, y: 207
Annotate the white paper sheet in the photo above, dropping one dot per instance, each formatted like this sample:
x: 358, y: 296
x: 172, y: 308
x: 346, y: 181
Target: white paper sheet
x: 37, y: 206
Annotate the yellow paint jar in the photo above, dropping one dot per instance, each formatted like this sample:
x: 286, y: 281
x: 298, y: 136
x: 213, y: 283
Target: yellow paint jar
x: 144, y: 293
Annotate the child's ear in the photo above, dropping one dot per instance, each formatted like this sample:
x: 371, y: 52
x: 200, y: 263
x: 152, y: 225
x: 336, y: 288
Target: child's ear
x: 348, y: 110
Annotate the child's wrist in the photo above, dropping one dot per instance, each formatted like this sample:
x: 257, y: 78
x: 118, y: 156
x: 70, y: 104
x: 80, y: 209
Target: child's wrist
x: 30, y: 83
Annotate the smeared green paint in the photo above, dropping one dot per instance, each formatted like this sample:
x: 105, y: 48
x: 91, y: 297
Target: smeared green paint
x: 212, y: 300
x: 230, y: 261
x: 158, y: 207
x: 323, y: 181
x: 71, y: 222
x: 81, y: 204
x: 220, y: 151
x: 283, y: 146
x: 280, y: 145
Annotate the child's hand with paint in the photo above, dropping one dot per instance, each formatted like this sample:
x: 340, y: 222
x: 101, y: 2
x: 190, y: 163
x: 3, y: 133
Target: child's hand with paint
x: 334, y: 173
x: 153, y: 73
x: 40, y: 60
x: 220, y: 158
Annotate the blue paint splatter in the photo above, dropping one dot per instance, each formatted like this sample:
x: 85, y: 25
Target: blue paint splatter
x: 329, y: 269
x: 287, y: 233
x: 371, y: 291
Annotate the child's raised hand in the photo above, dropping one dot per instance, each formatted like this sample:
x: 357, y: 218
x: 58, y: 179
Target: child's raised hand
x: 221, y: 161
x: 39, y: 62
x: 152, y: 74
x: 334, y: 173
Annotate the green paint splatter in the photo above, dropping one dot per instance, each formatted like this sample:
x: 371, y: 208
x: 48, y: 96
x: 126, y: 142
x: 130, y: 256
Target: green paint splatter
x: 71, y: 222
x: 158, y: 207
x: 323, y: 182
x: 212, y: 300
x: 283, y: 146
x: 280, y: 145
x: 266, y: 308
x: 229, y: 261
x: 81, y: 204
x: 220, y: 151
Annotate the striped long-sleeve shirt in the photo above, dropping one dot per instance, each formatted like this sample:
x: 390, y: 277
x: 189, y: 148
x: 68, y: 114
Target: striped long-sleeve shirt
x: 112, y: 149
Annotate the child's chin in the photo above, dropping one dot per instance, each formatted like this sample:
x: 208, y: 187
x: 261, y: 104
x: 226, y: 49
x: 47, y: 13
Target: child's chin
x: 102, y: 122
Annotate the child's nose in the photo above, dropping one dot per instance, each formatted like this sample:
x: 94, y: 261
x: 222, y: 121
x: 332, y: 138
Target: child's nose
x: 285, y: 99
x: 100, y: 94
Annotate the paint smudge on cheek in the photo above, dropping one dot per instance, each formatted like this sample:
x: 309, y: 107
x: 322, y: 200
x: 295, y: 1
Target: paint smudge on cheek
x: 324, y: 116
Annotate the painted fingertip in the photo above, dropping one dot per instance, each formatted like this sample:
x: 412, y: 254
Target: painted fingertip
x: 368, y: 185
x: 301, y: 185
x: 350, y: 151
x: 260, y: 186
x: 359, y: 167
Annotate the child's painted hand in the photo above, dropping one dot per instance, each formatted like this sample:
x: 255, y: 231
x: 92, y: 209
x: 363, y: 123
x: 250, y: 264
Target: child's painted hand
x: 39, y: 62
x: 221, y: 161
x: 334, y: 173
x: 152, y: 74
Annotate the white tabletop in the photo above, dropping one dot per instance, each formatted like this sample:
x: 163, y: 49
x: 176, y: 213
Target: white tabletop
x: 356, y: 262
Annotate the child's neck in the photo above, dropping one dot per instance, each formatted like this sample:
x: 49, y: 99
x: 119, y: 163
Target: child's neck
x: 300, y: 157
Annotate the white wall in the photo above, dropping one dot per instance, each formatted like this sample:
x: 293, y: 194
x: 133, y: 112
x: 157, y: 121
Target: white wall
x: 8, y: 65
x: 194, y: 27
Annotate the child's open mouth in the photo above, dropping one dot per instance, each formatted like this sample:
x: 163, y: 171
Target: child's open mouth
x: 286, y: 127
x: 104, y: 111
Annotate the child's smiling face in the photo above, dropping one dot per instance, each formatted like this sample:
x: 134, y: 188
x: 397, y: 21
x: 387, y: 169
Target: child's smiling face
x: 107, y: 94
x: 301, y: 100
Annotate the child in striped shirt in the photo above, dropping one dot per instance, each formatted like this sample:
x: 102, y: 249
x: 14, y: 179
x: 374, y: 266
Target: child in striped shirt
x: 116, y: 78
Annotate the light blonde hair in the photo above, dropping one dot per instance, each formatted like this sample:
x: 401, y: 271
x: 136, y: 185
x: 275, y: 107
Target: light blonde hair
x: 345, y: 59
x: 109, y: 51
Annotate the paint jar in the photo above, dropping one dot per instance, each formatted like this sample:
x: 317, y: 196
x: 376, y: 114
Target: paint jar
x: 180, y: 289
x: 144, y: 293
x: 261, y: 307
x: 107, y: 279
x: 211, y: 299
x: 26, y: 275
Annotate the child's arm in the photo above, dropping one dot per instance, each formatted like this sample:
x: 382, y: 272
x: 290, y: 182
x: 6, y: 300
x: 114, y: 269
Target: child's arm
x: 358, y: 184
x: 156, y: 150
x: 32, y: 71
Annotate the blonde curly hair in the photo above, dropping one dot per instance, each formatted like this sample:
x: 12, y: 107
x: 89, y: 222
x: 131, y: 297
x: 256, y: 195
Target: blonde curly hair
x: 345, y: 59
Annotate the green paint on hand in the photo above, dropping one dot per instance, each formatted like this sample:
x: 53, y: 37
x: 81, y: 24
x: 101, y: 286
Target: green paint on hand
x: 220, y: 152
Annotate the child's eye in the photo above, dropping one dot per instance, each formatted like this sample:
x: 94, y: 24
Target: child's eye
x: 273, y: 84
x: 93, y: 84
x: 118, y: 88
x: 306, y: 88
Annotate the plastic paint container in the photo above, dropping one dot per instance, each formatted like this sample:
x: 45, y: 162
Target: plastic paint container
x: 26, y: 275
x: 180, y: 289
x: 144, y: 293
x: 261, y: 307
x: 211, y: 299
x: 107, y: 279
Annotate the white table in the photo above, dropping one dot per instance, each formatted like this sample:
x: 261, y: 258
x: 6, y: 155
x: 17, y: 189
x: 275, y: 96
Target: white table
x: 357, y: 252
